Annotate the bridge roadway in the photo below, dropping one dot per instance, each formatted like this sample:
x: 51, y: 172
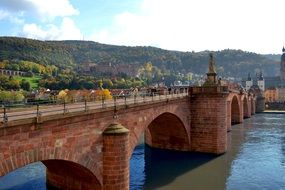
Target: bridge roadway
x: 13, y: 114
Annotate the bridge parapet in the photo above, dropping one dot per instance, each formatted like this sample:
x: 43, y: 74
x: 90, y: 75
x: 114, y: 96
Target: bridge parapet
x: 39, y: 114
x: 208, y: 89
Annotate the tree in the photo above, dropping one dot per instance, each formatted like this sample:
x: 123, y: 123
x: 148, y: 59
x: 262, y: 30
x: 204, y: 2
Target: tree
x: 107, y: 83
x: 13, y: 84
x: 103, y: 94
x: 3, y: 81
x: 7, y: 96
x: 25, y: 85
x: 62, y: 95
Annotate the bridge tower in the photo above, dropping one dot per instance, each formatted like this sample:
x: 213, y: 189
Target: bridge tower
x: 209, y: 114
x: 211, y: 75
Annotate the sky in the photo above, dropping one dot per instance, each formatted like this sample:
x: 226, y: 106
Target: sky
x: 182, y: 25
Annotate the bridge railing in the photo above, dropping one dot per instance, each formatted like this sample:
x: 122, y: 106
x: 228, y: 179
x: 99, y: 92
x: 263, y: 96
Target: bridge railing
x: 208, y: 89
x: 36, y: 110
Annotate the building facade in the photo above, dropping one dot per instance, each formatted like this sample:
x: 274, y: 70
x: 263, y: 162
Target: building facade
x: 259, y: 82
x: 271, y: 95
x: 268, y: 82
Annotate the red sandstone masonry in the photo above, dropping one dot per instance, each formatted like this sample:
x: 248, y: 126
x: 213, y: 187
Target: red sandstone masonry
x: 78, y: 138
x: 116, y: 158
x: 208, y: 122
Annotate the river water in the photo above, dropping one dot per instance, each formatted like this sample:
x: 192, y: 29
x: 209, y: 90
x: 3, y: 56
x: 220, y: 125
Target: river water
x: 255, y: 160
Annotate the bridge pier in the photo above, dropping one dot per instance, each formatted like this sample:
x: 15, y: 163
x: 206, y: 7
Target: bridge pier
x: 209, y: 119
x: 116, y: 153
x: 229, y: 116
x: 260, y: 104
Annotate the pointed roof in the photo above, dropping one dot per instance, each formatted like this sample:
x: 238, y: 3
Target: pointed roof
x: 248, y: 77
x: 283, y: 55
x: 260, y: 76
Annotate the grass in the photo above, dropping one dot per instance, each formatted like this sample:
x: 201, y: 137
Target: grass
x: 34, y: 81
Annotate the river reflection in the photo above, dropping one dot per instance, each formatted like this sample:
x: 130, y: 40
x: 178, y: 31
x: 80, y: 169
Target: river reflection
x: 255, y: 160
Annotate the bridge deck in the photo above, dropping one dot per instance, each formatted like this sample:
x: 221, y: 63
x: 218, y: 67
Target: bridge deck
x: 14, y: 114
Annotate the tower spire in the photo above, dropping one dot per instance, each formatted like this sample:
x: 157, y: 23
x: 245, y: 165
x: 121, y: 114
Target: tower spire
x: 248, y: 77
x: 260, y: 75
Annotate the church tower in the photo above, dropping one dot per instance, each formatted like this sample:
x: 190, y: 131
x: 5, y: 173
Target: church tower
x: 248, y: 82
x: 282, y: 65
x: 260, y: 82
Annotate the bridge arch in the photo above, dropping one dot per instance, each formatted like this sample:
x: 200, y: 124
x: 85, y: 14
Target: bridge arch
x: 64, y: 163
x: 252, y: 102
x: 70, y: 175
x: 235, y: 110
x: 246, y: 108
x: 167, y: 131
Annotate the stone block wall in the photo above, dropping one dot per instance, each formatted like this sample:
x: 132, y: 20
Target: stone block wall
x: 209, y: 122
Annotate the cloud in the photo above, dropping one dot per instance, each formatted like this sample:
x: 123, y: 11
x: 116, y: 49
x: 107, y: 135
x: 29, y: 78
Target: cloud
x: 198, y: 25
x: 16, y: 5
x: 66, y: 31
x: 14, y: 19
x: 43, y: 9
x: 41, y: 14
x: 3, y: 14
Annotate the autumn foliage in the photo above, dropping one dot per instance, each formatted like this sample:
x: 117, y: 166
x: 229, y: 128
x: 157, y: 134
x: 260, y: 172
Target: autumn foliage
x: 82, y: 95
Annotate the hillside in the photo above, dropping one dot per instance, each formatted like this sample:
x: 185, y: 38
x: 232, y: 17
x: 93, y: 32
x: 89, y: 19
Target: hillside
x: 72, y: 54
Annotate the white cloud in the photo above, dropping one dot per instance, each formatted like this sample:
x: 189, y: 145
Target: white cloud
x: 54, y: 8
x: 14, y: 19
x: 67, y: 31
x: 187, y: 25
x: 3, y: 14
x: 43, y: 9
x: 43, y: 14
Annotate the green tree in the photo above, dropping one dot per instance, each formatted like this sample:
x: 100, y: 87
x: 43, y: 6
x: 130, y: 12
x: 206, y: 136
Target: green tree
x: 13, y: 84
x: 7, y: 96
x: 25, y: 85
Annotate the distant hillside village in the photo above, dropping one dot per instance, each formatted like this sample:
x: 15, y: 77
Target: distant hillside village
x: 272, y: 87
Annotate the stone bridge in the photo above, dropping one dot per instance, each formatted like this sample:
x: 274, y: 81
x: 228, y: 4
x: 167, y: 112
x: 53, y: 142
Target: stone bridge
x: 91, y: 149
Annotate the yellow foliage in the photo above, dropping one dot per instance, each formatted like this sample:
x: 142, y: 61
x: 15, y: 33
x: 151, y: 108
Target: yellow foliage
x: 2, y: 65
x: 103, y: 94
x: 148, y: 66
x: 62, y: 95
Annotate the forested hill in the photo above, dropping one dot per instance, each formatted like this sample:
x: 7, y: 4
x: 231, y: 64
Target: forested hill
x: 70, y: 54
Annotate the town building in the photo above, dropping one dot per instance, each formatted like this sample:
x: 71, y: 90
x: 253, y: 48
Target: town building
x: 275, y: 95
x: 271, y: 81
x: 258, y: 81
x: 271, y: 94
